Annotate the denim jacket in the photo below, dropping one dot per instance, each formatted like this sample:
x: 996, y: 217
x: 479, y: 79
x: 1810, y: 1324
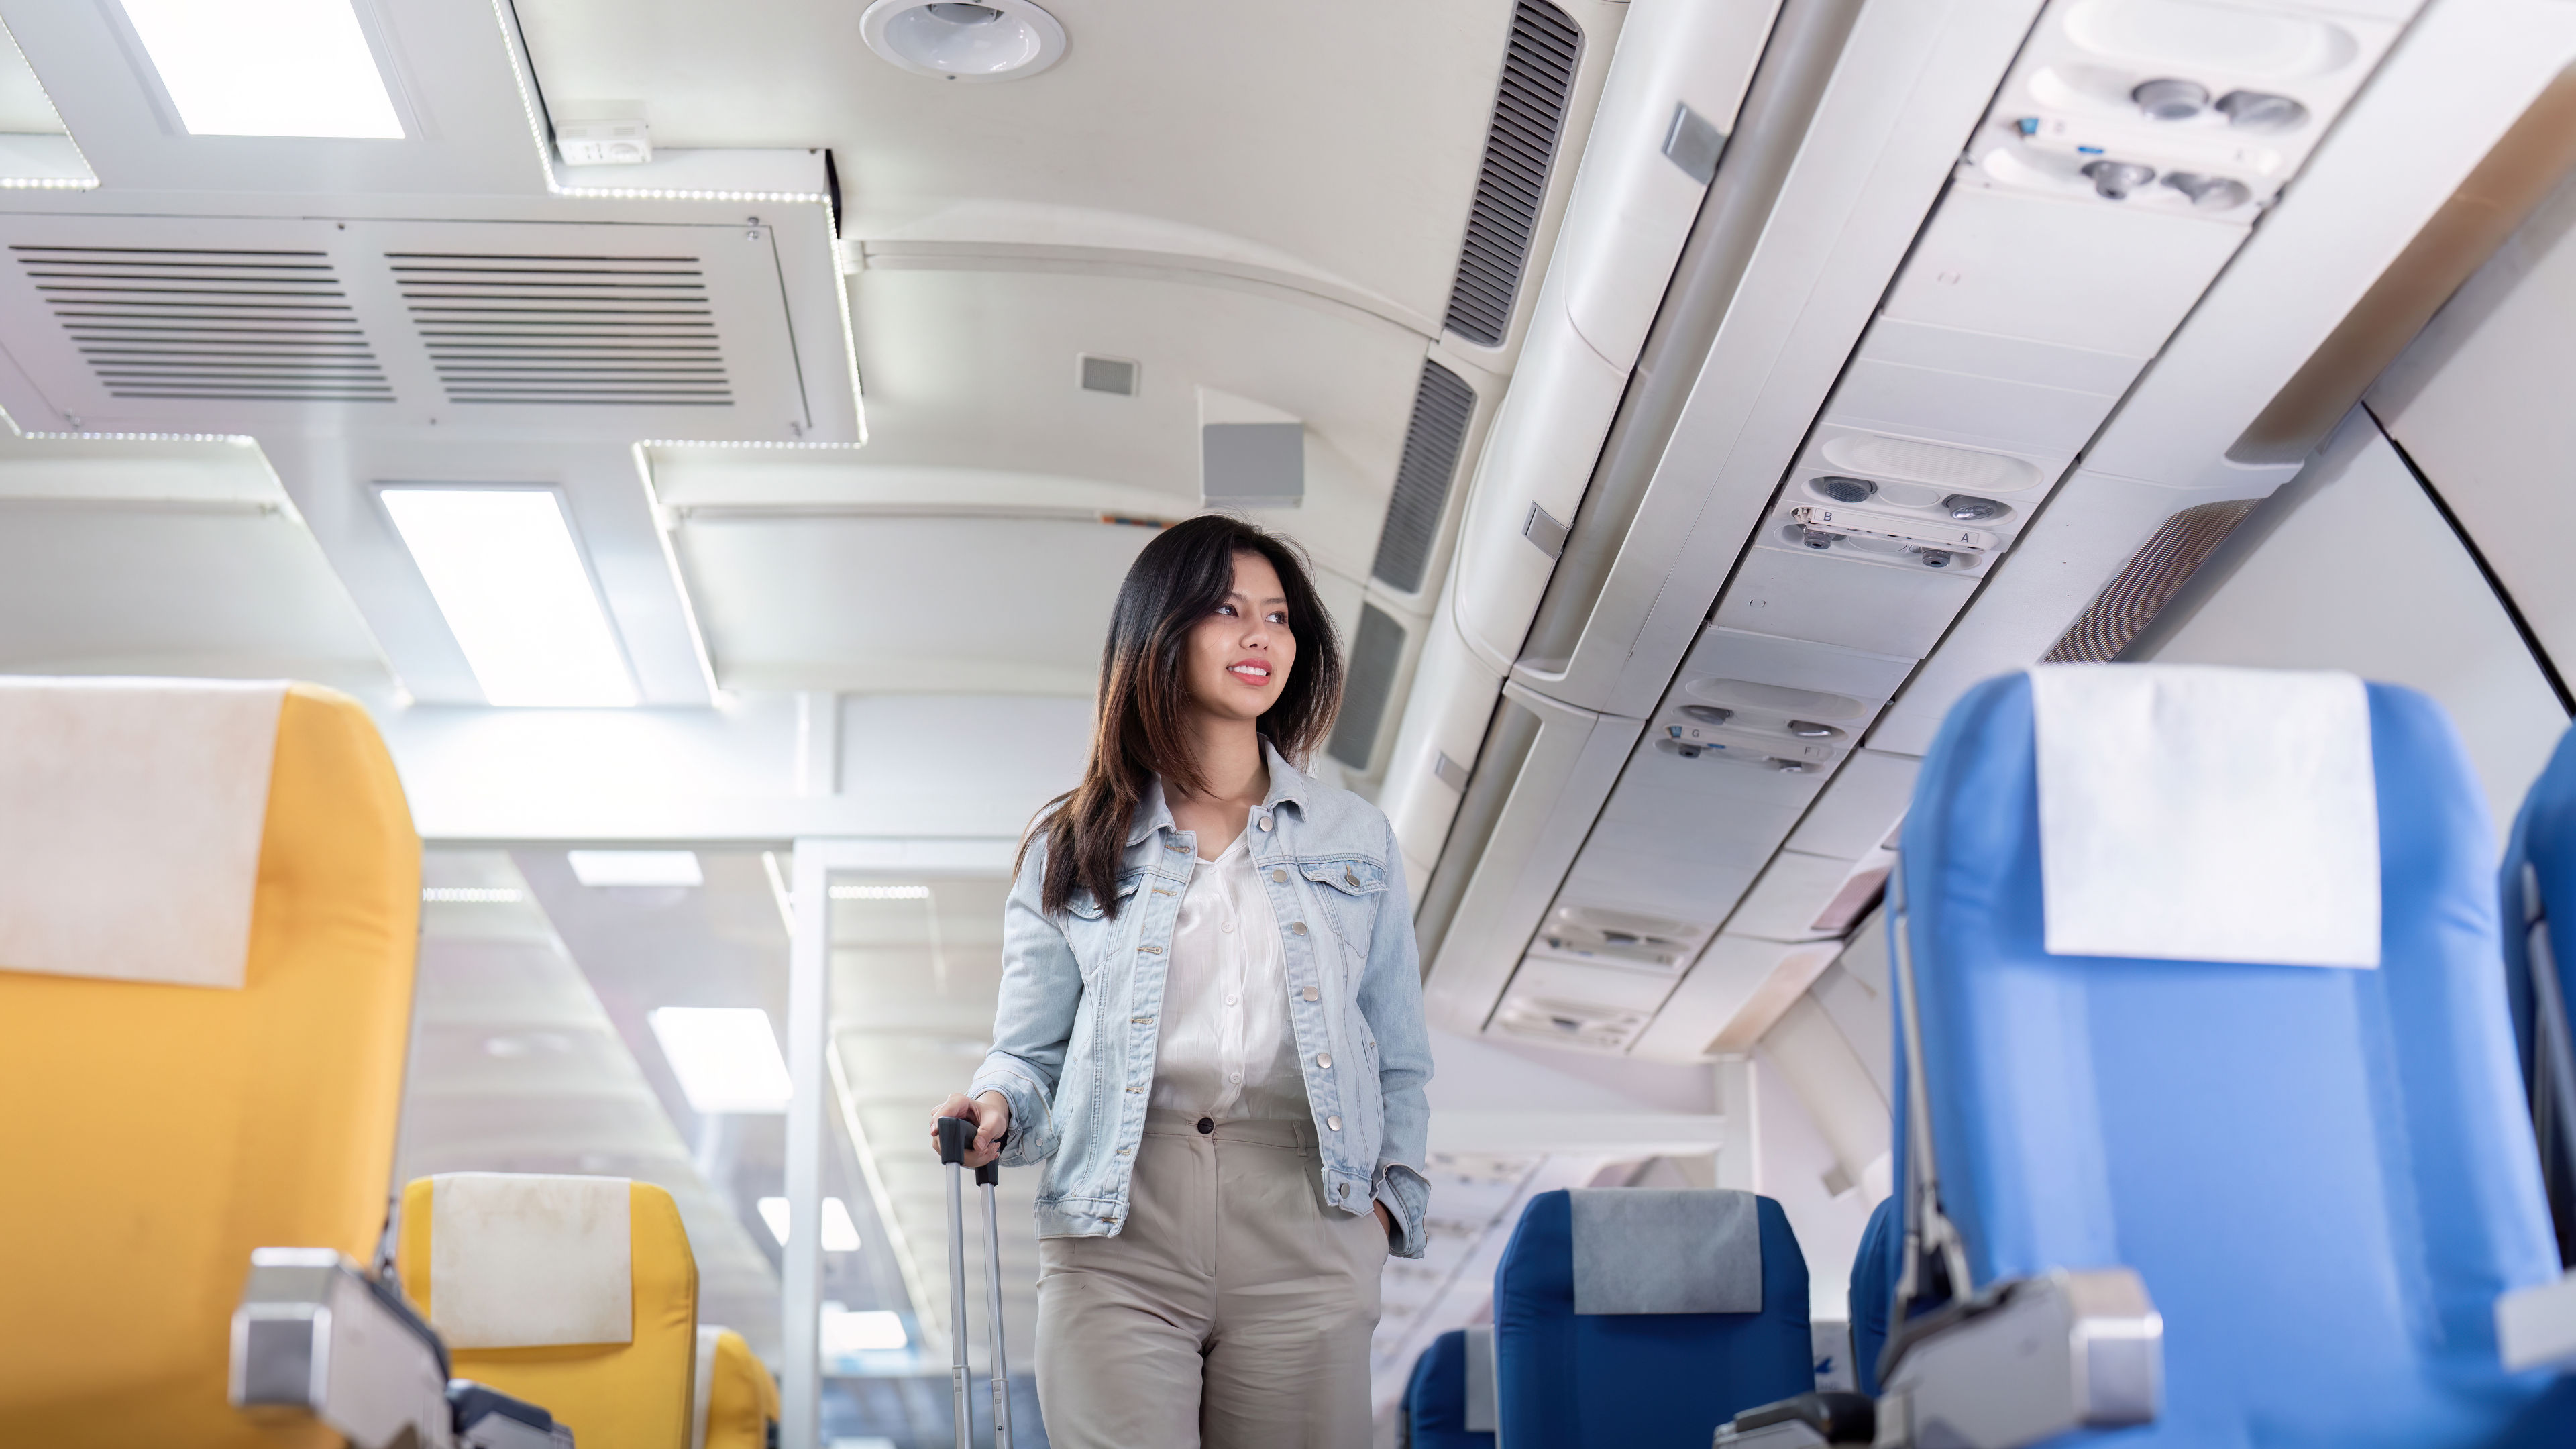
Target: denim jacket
x: 1082, y: 1001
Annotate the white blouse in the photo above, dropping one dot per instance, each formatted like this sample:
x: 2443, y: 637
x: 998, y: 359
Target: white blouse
x: 1226, y: 1050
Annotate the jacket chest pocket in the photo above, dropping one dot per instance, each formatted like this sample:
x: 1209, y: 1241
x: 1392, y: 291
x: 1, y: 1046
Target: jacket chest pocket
x: 1347, y: 891
x: 1091, y: 931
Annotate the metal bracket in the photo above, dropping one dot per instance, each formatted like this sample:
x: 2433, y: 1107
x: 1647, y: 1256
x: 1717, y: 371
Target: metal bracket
x: 2025, y: 1361
x: 316, y: 1339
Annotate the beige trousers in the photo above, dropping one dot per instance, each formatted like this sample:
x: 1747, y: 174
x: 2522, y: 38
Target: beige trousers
x: 1233, y: 1311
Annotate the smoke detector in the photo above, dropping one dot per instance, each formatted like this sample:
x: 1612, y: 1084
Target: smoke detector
x: 968, y: 40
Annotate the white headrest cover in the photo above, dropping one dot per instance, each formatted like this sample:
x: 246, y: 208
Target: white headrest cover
x: 2196, y: 813
x: 526, y: 1260
x: 131, y: 812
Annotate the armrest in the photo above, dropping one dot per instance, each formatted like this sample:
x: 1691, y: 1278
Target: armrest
x: 315, y: 1338
x: 2024, y: 1361
x: 487, y: 1418
x: 2536, y: 1327
x: 1818, y: 1418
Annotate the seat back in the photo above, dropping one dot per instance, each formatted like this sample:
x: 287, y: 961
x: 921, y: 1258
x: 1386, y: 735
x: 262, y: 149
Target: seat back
x: 209, y: 903
x: 2322, y: 1174
x: 1565, y: 1377
x: 737, y: 1399
x: 1873, y: 1292
x: 578, y: 1294
x: 1436, y: 1401
x: 2538, y: 889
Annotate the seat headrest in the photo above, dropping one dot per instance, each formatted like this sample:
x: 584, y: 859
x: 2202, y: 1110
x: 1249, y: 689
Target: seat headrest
x: 527, y: 1260
x: 131, y: 814
x: 1666, y: 1250
x: 2195, y: 813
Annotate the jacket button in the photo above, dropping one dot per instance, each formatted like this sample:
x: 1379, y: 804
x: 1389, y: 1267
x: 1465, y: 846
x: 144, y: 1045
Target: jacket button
x: 1298, y: 926
x: 1206, y: 1125
x: 1265, y: 822
x: 1313, y: 995
x: 1335, y: 1123
x: 1323, y: 1059
x: 1279, y: 877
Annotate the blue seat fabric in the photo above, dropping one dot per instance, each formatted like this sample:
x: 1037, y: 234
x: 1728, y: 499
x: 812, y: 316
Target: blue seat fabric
x: 1637, y: 1381
x: 2544, y: 836
x: 1873, y: 1292
x: 2325, y: 1177
x: 1435, y: 1398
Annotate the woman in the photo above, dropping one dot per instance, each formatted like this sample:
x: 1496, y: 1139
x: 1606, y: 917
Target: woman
x: 1210, y: 1029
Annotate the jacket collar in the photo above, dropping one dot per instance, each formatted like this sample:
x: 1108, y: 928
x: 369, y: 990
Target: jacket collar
x: 1288, y: 786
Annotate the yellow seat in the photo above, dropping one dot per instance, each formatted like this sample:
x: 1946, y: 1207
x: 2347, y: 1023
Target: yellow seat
x: 154, y: 1134
x: 533, y: 1303
x: 737, y: 1399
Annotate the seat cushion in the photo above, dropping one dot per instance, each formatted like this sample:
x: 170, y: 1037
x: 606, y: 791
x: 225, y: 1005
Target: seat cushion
x: 2542, y: 851
x: 2324, y: 1175
x: 1435, y: 1398
x: 1873, y: 1292
x: 1619, y: 1381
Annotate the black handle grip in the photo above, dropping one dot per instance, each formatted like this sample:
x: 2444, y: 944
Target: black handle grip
x: 956, y: 1134
x: 988, y: 1174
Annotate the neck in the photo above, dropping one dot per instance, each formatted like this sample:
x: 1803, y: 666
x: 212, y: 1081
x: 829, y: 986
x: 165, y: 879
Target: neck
x: 1230, y: 762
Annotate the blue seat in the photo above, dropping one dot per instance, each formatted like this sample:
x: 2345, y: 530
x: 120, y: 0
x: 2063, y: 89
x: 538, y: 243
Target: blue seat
x: 2539, y: 893
x: 1637, y: 1381
x: 2324, y: 1177
x: 1435, y: 1398
x: 1873, y: 1292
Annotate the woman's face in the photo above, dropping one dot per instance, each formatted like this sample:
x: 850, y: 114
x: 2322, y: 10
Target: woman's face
x: 1241, y: 654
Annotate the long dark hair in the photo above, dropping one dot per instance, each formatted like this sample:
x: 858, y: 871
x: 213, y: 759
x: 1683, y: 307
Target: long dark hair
x: 1142, y: 729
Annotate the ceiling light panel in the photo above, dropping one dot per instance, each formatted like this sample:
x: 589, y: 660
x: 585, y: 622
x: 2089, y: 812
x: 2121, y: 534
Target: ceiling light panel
x: 726, y: 1057
x: 636, y: 867
x: 266, y: 67
x: 502, y: 564
x: 840, y: 1234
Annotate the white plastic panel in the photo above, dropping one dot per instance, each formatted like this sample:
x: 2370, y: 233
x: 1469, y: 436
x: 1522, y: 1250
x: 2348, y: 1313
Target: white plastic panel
x: 1451, y: 704
x: 1861, y: 808
x: 1793, y: 891
x: 1834, y: 601
x: 1966, y: 408
x: 1734, y: 976
x: 2068, y: 273
x: 1544, y: 977
x: 2009, y: 359
x: 1737, y: 654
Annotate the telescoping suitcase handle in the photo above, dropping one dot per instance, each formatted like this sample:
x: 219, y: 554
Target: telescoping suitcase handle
x: 956, y: 1134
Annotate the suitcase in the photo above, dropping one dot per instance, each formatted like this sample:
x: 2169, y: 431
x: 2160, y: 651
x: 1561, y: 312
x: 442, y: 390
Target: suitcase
x: 956, y: 1134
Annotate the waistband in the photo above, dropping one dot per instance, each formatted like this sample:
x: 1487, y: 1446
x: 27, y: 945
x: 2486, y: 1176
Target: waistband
x: 1259, y: 1132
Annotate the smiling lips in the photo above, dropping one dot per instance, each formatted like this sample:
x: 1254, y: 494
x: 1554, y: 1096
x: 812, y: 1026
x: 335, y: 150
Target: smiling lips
x: 1251, y: 671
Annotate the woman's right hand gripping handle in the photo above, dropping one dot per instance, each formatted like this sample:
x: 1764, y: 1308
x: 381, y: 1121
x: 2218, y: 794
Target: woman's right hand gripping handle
x: 990, y: 1113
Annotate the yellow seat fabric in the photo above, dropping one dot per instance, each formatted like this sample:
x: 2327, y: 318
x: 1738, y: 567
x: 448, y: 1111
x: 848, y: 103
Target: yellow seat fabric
x: 153, y: 1135
x: 634, y: 1395
x: 742, y: 1399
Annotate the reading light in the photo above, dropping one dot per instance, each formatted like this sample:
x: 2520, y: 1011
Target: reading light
x: 725, y: 1057
x: 845, y: 1334
x: 987, y: 41
x: 502, y: 565
x: 840, y: 1235
x: 266, y: 67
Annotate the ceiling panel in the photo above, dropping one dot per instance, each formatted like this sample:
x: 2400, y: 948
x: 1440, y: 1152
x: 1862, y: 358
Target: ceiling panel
x: 1341, y: 132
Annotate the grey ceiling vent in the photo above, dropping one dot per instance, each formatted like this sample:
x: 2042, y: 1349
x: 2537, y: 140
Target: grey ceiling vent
x: 1520, y: 146
x: 1442, y: 406
x: 1115, y: 375
x: 1368, y: 688
x: 2147, y: 582
x: 1252, y: 465
x: 167, y: 322
x: 566, y: 330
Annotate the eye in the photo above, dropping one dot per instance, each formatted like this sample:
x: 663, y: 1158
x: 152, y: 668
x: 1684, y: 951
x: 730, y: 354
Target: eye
x: 1279, y: 618
x: 1226, y: 610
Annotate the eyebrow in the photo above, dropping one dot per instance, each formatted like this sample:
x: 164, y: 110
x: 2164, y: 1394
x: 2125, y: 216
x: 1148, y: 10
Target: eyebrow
x: 1240, y: 594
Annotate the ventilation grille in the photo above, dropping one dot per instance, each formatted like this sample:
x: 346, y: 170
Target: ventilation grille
x: 2148, y: 582
x: 1442, y: 405
x: 1529, y: 116
x: 1368, y: 688
x: 165, y: 322
x: 566, y: 330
